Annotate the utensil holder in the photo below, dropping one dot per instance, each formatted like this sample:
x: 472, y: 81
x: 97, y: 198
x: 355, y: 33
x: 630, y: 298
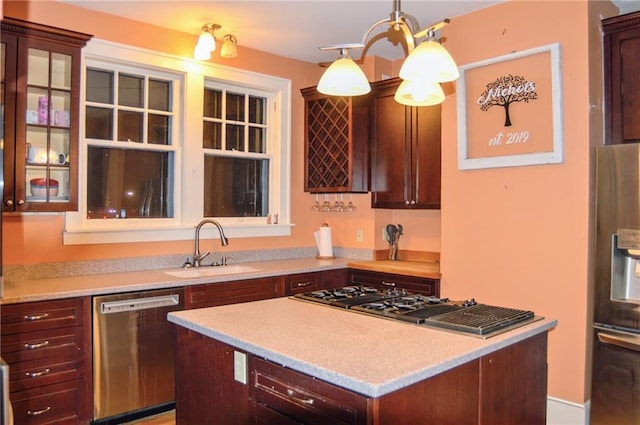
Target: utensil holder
x: 393, y: 251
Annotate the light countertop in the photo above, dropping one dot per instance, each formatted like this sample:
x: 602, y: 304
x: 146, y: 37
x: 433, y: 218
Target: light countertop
x: 109, y: 283
x: 368, y: 355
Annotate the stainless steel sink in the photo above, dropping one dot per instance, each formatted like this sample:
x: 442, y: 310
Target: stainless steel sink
x: 210, y: 271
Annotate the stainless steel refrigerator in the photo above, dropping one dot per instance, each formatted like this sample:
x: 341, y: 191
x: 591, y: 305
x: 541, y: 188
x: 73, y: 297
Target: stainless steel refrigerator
x: 615, y: 391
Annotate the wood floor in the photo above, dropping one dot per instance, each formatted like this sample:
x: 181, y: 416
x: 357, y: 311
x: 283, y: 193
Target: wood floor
x: 167, y: 418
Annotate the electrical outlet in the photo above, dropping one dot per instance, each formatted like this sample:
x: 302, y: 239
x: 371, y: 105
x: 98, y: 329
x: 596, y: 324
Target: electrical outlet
x: 359, y: 235
x: 240, y: 367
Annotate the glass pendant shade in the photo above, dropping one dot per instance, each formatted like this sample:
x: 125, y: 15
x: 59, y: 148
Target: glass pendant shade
x: 229, y: 48
x: 419, y: 93
x: 201, y: 54
x: 206, y: 41
x: 429, y: 61
x: 344, y: 78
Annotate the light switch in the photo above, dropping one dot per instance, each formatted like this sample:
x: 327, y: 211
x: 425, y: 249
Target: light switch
x: 240, y: 367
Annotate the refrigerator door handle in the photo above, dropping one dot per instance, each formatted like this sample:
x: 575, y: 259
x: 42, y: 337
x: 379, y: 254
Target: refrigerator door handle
x: 628, y: 342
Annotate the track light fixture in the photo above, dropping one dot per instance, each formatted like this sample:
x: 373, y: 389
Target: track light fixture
x: 428, y: 63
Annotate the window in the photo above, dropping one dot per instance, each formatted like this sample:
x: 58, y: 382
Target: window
x: 166, y: 141
x: 128, y: 131
x: 236, y: 161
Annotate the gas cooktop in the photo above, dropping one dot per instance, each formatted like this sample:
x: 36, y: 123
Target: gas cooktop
x: 468, y: 317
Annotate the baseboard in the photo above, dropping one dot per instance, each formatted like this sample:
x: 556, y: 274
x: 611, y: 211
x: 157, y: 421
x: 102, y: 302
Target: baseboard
x: 562, y: 412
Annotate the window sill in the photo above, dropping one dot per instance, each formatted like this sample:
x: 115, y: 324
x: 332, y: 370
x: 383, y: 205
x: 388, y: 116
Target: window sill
x: 94, y: 236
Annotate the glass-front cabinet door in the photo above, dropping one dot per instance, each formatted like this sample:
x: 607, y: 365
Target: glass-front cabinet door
x: 45, y: 140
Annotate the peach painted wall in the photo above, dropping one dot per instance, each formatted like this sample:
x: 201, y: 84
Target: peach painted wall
x: 520, y: 236
x: 511, y: 236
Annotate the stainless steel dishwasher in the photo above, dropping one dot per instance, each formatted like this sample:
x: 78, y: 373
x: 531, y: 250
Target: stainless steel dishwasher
x: 133, y: 354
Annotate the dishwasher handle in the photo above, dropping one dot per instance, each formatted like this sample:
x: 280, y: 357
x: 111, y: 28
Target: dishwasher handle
x: 135, y: 304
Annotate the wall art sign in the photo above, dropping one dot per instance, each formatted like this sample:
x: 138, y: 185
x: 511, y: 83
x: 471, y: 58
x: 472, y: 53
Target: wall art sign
x: 510, y: 110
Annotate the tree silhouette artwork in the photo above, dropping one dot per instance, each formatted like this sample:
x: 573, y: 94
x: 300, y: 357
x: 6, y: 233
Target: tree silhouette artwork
x: 506, y: 90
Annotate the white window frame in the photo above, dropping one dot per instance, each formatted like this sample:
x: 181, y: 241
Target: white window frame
x: 189, y: 154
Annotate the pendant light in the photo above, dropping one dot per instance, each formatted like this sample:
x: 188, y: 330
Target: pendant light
x: 428, y: 64
x: 429, y: 61
x: 419, y: 93
x: 344, y: 77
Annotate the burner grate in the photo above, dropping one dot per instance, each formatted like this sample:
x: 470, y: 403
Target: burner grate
x: 479, y: 319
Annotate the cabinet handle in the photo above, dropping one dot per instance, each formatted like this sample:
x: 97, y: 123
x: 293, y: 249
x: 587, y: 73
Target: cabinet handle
x: 389, y: 283
x: 303, y: 284
x: 308, y: 401
x: 36, y: 374
x: 36, y: 346
x: 38, y: 412
x: 36, y: 316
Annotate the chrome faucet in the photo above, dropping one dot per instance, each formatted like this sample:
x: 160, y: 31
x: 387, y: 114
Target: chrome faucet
x: 197, y: 256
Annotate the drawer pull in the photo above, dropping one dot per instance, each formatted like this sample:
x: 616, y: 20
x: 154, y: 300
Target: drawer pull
x: 36, y: 346
x: 36, y: 374
x: 303, y: 284
x: 308, y: 401
x: 38, y: 412
x: 389, y: 283
x: 36, y: 317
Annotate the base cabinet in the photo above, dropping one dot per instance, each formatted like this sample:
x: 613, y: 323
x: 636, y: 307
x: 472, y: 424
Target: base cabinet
x: 240, y: 291
x: 508, y: 386
x: 48, y: 348
x: 430, y: 287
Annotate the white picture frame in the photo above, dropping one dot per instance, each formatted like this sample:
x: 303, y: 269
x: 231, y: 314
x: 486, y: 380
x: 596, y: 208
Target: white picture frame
x: 546, y: 123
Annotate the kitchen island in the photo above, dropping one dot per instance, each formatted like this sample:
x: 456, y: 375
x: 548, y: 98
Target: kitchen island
x: 288, y: 361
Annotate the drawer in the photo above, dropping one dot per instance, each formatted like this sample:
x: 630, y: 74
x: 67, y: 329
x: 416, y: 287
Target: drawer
x: 259, y: 414
x: 387, y: 280
x: 303, y: 282
x: 303, y: 398
x: 29, y: 317
x: 214, y: 294
x: 51, y: 344
x: 35, y: 373
x: 52, y: 404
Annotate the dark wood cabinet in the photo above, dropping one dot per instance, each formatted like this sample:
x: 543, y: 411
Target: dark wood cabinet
x: 336, y: 143
x: 405, y: 154
x: 389, y: 281
x: 48, y: 348
x: 313, y: 281
x: 240, y: 291
x: 40, y: 99
x: 621, y: 36
x: 300, y: 397
x: 506, y: 386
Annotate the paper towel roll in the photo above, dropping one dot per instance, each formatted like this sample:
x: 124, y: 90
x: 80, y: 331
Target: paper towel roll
x: 323, y: 242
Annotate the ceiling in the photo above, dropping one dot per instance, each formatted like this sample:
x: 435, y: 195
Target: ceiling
x: 294, y: 28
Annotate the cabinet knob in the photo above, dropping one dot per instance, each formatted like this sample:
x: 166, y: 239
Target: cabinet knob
x: 20, y: 202
x: 406, y: 202
x: 413, y: 202
x: 9, y: 203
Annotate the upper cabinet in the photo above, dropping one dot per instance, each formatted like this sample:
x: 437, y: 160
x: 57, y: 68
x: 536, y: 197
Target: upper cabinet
x: 336, y: 143
x: 621, y: 81
x: 405, y: 154
x: 40, y: 104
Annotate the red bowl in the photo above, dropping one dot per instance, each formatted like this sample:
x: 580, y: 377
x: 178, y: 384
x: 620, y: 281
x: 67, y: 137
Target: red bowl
x: 39, y: 187
x: 42, y: 182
